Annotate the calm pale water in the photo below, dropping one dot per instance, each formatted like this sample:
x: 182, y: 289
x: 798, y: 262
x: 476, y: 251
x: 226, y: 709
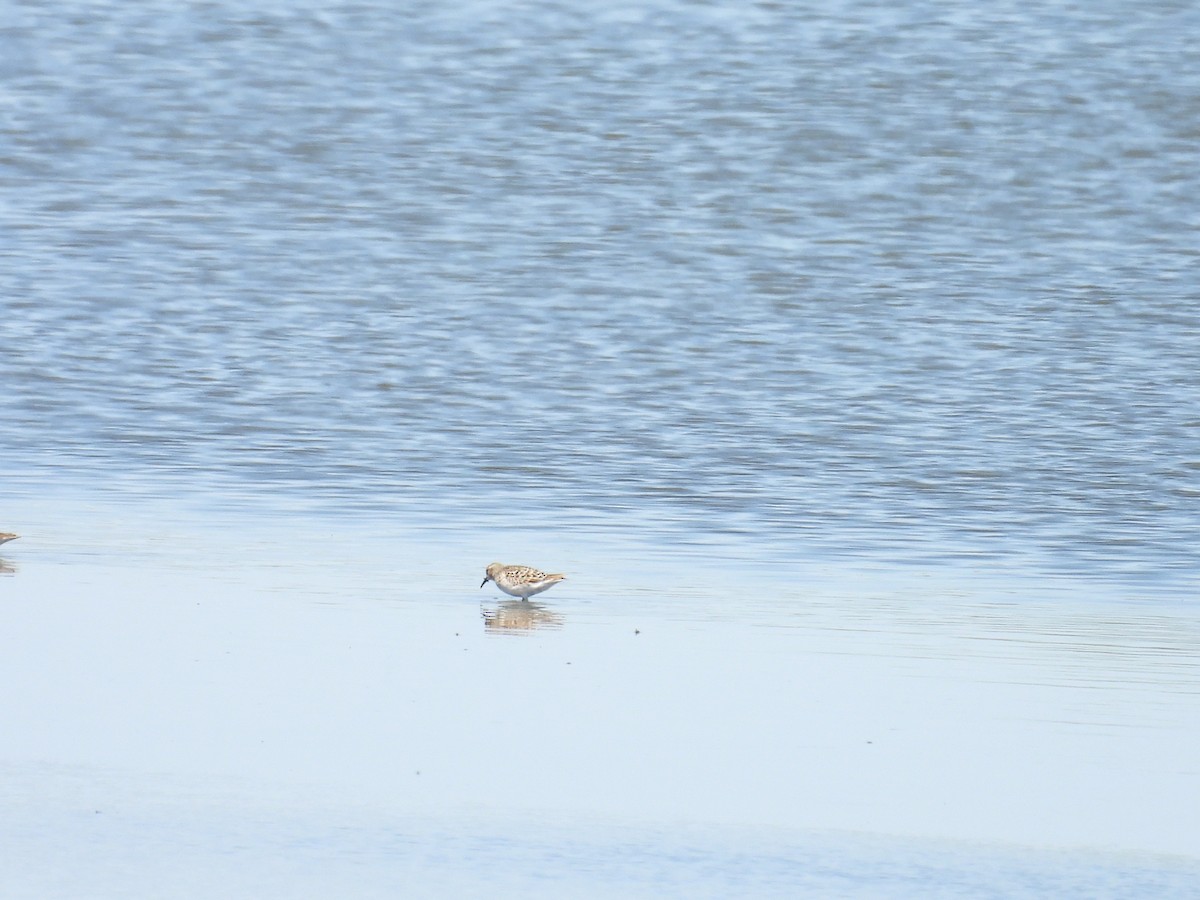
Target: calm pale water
x: 869, y: 328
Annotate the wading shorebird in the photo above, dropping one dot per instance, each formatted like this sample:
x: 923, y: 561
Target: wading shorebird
x: 6, y: 536
x: 520, y: 581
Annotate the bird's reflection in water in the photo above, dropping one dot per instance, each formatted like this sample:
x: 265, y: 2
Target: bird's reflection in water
x: 7, y: 568
x: 519, y: 616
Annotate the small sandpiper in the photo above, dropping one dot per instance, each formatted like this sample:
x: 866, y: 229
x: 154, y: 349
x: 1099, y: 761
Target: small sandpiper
x: 6, y: 536
x: 520, y: 581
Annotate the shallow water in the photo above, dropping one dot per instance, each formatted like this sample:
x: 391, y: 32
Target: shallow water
x: 843, y: 358
x: 282, y: 697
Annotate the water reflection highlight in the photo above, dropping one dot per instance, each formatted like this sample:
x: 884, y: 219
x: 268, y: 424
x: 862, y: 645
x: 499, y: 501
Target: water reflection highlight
x: 519, y: 617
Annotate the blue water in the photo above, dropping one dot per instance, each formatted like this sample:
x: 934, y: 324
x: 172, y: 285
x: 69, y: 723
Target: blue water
x: 910, y: 283
x: 844, y: 355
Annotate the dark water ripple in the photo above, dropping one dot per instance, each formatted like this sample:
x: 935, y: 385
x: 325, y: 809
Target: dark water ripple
x: 910, y: 282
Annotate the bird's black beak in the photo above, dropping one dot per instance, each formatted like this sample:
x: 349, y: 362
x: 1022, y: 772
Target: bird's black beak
x: 485, y: 581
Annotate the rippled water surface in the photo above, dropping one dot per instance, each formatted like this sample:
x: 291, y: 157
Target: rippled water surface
x: 868, y: 329
x: 912, y: 281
